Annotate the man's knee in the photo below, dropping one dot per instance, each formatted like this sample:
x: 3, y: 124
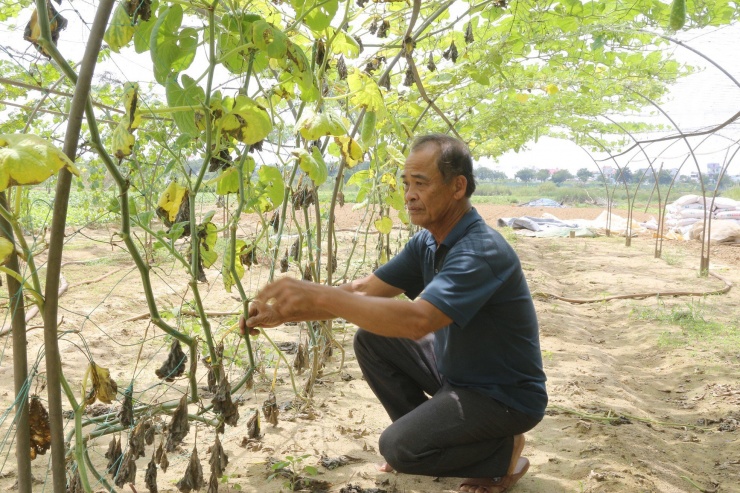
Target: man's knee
x: 363, y: 343
x: 398, y: 450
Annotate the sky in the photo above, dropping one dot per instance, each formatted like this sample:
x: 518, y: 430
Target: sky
x: 703, y: 99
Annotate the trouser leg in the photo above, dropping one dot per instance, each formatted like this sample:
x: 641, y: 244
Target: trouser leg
x: 457, y: 433
x: 401, y: 372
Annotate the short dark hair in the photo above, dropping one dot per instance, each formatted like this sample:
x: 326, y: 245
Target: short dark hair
x: 454, y: 158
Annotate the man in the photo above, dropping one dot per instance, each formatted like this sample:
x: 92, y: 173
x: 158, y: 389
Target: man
x: 459, y: 368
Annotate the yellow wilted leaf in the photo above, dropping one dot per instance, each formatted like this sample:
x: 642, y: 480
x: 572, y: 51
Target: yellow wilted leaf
x: 384, y: 225
x: 171, y: 199
x: 6, y: 248
x: 522, y: 98
x: 29, y: 160
x: 103, y: 388
x: 123, y: 138
x: 552, y: 89
x: 365, y: 92
x: 350, y: 149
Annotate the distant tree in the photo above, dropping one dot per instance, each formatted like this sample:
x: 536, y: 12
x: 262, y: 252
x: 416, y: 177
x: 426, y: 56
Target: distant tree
x: 584, y: 174
x: 526, y: 174
x: 485, y: 174
x: 665, y: 177
x: 543, y: 175
x: 499, y: 176
x: 560, y: 176
x: 626, y: 174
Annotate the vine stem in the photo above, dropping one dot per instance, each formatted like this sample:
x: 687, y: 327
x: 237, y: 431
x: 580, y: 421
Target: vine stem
x: 20, y: 361
x: 79, y: 104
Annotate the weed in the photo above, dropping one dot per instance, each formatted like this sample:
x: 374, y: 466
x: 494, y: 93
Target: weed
x: 671, y: 257
x: 292, y: 469
x: 694, y: 324
x: 509, y: 235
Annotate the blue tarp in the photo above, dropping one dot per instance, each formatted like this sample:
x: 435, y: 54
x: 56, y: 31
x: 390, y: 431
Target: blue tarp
x: 542, y: 203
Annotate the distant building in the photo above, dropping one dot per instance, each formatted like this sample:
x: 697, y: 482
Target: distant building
x: 609, y: 171
x: 713, y: 169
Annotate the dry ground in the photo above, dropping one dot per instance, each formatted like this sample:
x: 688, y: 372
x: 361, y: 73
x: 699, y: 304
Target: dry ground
x: 637, y: 403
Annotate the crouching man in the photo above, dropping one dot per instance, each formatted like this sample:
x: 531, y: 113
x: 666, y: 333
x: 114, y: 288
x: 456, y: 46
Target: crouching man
x: 458, y: 369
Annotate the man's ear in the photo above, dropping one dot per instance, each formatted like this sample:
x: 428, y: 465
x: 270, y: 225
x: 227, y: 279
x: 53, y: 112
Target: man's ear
x: 461, y: 186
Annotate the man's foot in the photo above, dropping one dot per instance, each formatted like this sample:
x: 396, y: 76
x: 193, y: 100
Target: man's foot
x: 385, y: 467
x: 496, y: 485
x: 517, y: 468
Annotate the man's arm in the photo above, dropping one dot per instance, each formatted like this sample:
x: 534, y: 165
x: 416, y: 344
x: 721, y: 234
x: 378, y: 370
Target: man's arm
x: 365, y: 302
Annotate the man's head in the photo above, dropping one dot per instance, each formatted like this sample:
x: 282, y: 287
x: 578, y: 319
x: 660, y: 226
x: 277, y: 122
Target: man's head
x: 453, y: 160
x: 437, y: 181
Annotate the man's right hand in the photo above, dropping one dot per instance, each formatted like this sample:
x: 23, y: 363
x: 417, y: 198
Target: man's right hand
x: 243, y: 329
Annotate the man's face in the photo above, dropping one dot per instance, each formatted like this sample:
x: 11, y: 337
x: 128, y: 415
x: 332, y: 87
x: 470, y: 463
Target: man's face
x: 429, y: 200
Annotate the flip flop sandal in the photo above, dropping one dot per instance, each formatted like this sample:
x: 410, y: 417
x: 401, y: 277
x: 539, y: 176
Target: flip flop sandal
x: 500, y: 484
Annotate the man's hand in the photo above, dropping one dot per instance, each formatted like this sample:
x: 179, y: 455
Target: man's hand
x: 243, y: 327
x: 285, y: 300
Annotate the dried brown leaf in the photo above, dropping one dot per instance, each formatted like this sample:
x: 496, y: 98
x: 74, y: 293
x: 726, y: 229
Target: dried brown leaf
x: 271, y: 410
x: 222, y: 403
x: 179, y: 426
x: 114, y: 456
x: 301, y: 360
x: 150, y: 478
x: 193, y: 477
x: 174, y: 366
x: 74, y: 482
x: 469, y: 38
x: 126, y: 414
x: 127, y: 472
x: 38, y: 420
x: 219, y: 460
x: 253, y: 426
x: 334, y: 462
x: 137, y: 438
x: 430, y: 64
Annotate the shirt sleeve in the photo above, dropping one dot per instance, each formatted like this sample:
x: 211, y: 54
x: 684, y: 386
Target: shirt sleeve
x: 404, y: 271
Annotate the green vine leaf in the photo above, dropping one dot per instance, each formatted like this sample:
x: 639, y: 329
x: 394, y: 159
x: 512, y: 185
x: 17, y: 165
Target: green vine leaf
x: 233, y: 39
x: 143, y: 30
x: 208, y: 235
x: 319, y: 13
x: 345, y: 44
x: 190, y: 94
x: 269, y: 189
x: 270, y: 39
x: 27, y: 159
x: 247, y: 121
x: 6, y: 248
x: 313, y: 126
x: 228, y: 181
x: 120, y: 31
x: 228, y: 278
x: 171, y: 50
x: 312, y: 164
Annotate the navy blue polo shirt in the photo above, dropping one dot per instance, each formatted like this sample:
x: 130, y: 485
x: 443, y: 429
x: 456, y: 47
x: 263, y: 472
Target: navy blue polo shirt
x: 493, y: 342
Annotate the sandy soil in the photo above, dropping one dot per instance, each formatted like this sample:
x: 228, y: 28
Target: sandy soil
x: 636, y: 404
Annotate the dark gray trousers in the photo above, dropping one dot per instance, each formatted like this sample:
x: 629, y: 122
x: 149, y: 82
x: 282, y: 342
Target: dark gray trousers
x: 458, y: 432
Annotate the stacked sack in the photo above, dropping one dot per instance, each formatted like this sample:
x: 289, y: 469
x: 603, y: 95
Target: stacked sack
x: 686, y: 215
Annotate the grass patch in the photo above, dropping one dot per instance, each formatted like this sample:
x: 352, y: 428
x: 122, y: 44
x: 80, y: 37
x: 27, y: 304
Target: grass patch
x: 696, y: 326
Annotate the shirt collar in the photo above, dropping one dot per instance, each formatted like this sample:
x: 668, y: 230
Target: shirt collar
x: 457, y: 231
